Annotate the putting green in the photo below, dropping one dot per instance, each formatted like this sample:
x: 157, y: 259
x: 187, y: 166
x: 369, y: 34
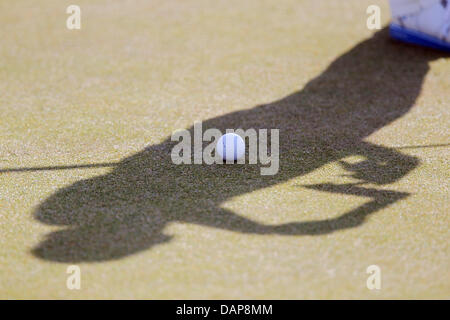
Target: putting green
x: 86, y: 176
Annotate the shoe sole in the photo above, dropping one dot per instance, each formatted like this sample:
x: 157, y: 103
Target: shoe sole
x: 416, y: 37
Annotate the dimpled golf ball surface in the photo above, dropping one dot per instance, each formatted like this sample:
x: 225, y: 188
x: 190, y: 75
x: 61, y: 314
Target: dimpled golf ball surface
x: 231, y: 147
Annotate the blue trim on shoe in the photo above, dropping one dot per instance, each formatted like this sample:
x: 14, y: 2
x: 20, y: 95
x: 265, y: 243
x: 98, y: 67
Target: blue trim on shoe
x: 416, y: 37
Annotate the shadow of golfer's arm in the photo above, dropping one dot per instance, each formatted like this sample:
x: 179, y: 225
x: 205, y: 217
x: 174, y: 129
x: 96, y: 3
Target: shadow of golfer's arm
x: 227, y: 220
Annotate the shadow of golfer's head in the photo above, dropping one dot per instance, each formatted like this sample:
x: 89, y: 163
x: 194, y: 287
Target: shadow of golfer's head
x: 126, y: 210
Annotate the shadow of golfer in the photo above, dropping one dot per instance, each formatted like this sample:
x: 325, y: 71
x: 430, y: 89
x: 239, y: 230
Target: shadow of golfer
x: 126, y: 211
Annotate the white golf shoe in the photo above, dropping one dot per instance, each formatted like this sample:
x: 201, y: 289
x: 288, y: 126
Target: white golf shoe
x: 428, y: 26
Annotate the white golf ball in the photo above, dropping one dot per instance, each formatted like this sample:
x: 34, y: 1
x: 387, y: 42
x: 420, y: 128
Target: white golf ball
x: 230, y: 147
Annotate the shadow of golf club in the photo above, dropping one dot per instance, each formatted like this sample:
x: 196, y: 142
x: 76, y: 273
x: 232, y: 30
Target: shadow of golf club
x: 125, y: 211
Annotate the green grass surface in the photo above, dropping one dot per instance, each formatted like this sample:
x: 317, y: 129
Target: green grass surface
x: 86, y: 176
